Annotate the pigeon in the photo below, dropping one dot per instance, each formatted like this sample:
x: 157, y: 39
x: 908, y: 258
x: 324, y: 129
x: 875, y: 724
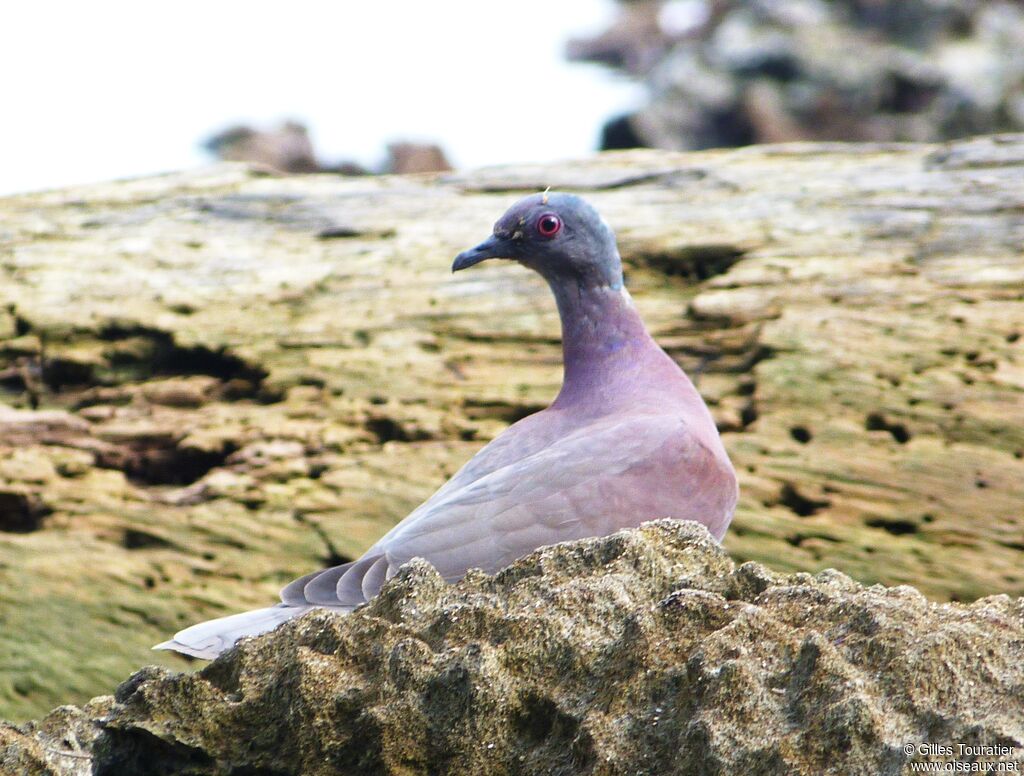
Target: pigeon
x: 628, y: 439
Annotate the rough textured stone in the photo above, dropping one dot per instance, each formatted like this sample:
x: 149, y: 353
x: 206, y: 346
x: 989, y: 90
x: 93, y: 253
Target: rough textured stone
x: 238, y: 378
x: 288, y: 149
x: 734, y: 72
x: 647, y: 652
x: 59, y: 745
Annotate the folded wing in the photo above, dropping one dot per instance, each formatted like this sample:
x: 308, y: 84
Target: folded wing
x: 607, y: 475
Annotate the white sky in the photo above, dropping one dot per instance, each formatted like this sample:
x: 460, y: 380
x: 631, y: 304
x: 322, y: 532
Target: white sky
x: 105, y: 89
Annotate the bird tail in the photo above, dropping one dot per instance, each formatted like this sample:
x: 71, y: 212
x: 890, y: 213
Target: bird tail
x: 208, y: 639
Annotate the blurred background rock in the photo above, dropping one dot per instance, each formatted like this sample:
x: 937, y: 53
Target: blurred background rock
x: 285, y: 149
x: 735, y: 72
x: 288, y: 149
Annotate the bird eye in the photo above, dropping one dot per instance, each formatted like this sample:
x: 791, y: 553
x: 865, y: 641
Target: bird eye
x: 549, y: 225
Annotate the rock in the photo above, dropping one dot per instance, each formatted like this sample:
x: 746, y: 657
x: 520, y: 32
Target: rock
x: 59, y: 745
x: 736, y: 72
x: 241, y: 378
x: 47, y: 426
x: 407, y: 158
x: 288, y: 149
x: 648, y: 651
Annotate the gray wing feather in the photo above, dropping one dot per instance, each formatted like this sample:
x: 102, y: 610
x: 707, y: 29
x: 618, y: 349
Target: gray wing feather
x: 550, y: 496
x: 591, y: 482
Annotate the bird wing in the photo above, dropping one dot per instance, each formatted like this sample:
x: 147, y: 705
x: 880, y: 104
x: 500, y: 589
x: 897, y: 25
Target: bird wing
x: 612, y: 473
x: 520, y: 440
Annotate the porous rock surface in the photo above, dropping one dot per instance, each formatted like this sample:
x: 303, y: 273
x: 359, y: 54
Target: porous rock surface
x: 646, y: 652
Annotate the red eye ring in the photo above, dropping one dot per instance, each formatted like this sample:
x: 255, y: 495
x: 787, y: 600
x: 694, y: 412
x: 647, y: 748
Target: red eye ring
x: 548, y: 225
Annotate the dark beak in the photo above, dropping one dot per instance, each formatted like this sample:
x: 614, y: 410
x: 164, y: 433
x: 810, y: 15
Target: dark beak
x: 493, y: 247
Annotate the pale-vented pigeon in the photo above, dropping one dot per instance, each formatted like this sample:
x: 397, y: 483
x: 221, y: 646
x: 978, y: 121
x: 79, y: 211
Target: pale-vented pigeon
x: 628, y: 439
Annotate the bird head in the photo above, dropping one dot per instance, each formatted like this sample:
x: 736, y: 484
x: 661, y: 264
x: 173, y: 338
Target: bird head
x: 559, y: 235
